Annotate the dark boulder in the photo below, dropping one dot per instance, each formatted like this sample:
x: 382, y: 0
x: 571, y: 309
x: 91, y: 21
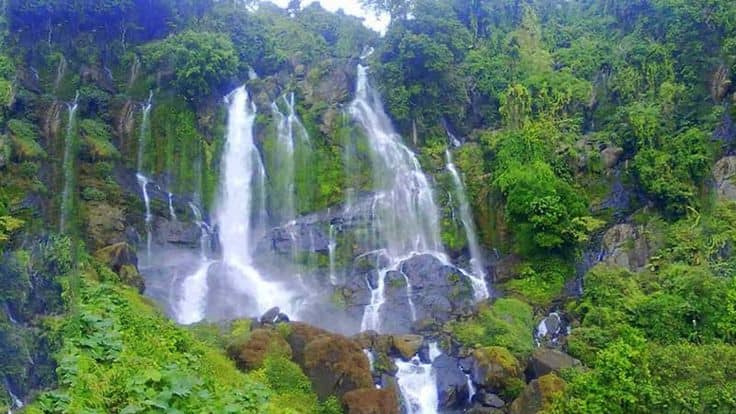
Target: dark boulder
x: 538, y: 395
x: 546, y: 360
x: 452, y: 385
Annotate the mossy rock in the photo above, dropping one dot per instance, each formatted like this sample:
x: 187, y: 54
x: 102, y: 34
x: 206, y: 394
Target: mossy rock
x: 4, y: 151
x: 508, y: 322
x: 96, y: 145
x: 371, y: 401
x: 496, y: 367
x: 407, y: 345
x: 23, y: 138
x: 299, y: 336
x: 105, y: 224
x: 336, y: 365
x: 539, y: 395
x: 260, y: 344
x: 117, y: 256
x: 130, y: 276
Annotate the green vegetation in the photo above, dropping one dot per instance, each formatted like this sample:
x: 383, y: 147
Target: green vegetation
x: 507, y: 323
x: 573, y: 116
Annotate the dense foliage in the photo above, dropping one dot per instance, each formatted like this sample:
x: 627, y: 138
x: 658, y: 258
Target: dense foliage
x: 573, y: 117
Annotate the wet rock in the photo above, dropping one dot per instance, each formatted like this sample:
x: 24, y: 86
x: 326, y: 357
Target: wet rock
x: 371, y: 401
x: 538, y: 395
x: 452, y: 384
x: 495, y: 367
x: 274, y: 316
x: 298, y: 238
x: 117, y: 255
x: 271, y: 315
x: 105, y: 224
x: 407, y: 345
x: 261, y: 343
x: 506, y: 268
x: 491, y: 400
x: 610, y: 156
x: 336, y: 365
x: 176, y: 232
x: 438, y: 291
x: 724, y: 174
x: 123, y: 260
x: 546, y: 360
x: 129, y: 275
x: 551, y: 331
x: 484, y: 410
x: 626, y: 246
x: 4, y: 151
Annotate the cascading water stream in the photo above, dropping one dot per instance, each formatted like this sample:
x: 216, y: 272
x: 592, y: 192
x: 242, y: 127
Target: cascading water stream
x: 16, y: 403
x: 172, y: 213
x: 192, y: 302
x: 331, y: 247
x: 143, y: 181
x: 405, y: 217
x: 242, y: 167
x: 203, y: 228
x: 69, y: 165
x: 478, y: 275
x: 290, y: 134
x: 240, y: 219
x: 143, y: 133
x: 418, y: 383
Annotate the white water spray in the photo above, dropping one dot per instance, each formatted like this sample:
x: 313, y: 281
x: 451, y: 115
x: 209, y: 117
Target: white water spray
x: 478, y: 275
x: 418, y: 383
x: 241, y: 167
x: 172, y: 213
x: 193, y: 302
x: 405, y: 216
x: 143, y: 183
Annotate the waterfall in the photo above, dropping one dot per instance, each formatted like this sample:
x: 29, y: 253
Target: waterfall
x: 172, y: 213
x: 405, y: 216
x: 331, y: 247
x: 282, y: 192
x: 203, y: 228
x: 143, y: 183
x: 471, y: 388
x: 60, y: 72
x: 193, y: 301
x: 418, y: 383
x: 67, y: 195
x: 478, y: 275
x: 15, y: 401
x: 371, y: 359
x: 241, y: 169
x: 290, y: 133
x: 9, y: 314
x: 145, y: 126
x: 134, y: 71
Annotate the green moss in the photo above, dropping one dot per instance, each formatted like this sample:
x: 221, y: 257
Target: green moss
x: 93, y: 194
x: 24, y: 137
x: 542, y: 281
x: 508, y: 323
x: 95, y: 140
